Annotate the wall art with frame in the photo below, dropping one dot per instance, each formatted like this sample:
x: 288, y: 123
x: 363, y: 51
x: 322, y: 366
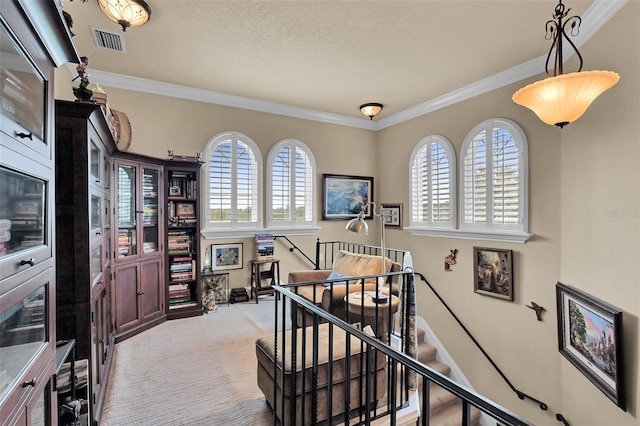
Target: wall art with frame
x: 226, y: 256
x: 392, y: 215
x: 493, y: 272
x: 343, y: 196
x: 590, y: 337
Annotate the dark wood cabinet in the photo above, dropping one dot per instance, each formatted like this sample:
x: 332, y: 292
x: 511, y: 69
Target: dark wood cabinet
x: 138, y: 296
x: 138, y: 280
x: 34, y: 40
x: 84, y: 148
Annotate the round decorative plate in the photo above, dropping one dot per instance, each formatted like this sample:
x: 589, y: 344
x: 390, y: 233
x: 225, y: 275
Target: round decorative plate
x: 123, y: 140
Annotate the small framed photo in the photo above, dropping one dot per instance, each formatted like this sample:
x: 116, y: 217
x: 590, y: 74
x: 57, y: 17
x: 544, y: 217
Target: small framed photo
x: 590, y: 337
x: 226, y: 256
x: 174, y: 191
x: 392, y: 215
x: 343, y: 197
x: 493, y: 272
x: 185, y: 210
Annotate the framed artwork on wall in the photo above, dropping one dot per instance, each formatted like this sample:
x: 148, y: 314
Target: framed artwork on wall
x: 226, y: 256
x: 392, y: 215
x: 590, y: 337
x: 493, y: 272
x: 343, y: 197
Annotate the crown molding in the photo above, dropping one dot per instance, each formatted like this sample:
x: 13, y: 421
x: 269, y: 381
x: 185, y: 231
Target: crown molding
x: 596, y: 16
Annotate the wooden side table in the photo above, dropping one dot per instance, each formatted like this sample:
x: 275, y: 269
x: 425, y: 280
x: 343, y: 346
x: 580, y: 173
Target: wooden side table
x: 258, y: 274
x: 362, y: 308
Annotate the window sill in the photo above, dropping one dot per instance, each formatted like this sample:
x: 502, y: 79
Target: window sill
x: 212, y: 234
x: 502, y: 236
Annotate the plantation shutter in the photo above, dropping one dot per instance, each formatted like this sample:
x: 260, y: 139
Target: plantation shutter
x: 475, y: 180
x: 303, y: 187
x: 420, y: 186
x: 281, y: 186
x: 440, y: 185
x: 220, y: 183
x: 246, y: 185
x: 506, y: 179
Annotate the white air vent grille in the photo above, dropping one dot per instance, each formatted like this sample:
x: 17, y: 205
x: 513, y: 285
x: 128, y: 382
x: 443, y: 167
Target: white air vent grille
x: 108, y: 40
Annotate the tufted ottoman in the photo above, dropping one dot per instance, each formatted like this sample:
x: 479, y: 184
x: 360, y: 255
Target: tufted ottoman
x: 265, y: 355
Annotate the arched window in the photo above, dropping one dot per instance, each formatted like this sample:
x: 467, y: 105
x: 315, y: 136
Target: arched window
x: 232, y: 183
x: 433, y: 184
x: 290, y: 185
x: 494, y: 178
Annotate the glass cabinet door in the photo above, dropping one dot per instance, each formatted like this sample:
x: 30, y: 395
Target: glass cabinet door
x: 150, y: 183
x: 127, y: 214
x: 22, y: 203
x: 22, y: 94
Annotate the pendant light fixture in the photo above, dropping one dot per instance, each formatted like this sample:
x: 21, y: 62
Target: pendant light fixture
x: 371, y: 109
x: 562, y: 98
x: 127, y: 13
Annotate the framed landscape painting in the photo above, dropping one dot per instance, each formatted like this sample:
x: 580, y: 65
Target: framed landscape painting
x: 226, y: 256
x: 493, y: 272
x: 343, y: 197
x: 590, y: 337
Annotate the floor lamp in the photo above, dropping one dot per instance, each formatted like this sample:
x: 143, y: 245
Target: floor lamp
x: 358, y: 225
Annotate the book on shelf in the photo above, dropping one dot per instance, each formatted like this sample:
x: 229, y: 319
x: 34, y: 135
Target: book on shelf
x: 182, y: 305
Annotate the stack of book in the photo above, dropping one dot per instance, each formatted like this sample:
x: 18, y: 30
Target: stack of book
x: 179, y: 295
x: 181, y: 269
x: 124, y: 243
x: 179, y: 242
x: 264, y: 247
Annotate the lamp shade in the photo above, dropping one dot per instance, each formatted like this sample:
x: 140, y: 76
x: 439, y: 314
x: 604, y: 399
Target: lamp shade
x: 358, y: 225
x: 371, y: 109
x: 127, y: 13
x: 563, y: 99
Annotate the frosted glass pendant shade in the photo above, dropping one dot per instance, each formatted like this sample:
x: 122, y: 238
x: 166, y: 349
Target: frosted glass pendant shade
x: 563, y: 99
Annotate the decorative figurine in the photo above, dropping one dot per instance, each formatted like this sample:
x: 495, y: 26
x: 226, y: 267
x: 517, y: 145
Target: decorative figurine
x: 82, y: 92
x: 199, y: 157
x: 450, y: 260
x: 539, y: 309
x: 169, y: 154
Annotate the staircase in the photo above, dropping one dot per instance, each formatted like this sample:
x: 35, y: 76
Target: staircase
x: 445, y: 408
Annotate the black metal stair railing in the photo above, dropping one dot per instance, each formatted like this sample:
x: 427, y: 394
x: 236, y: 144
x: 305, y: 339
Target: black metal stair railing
x: 518, y: 392
x: 370, y: 348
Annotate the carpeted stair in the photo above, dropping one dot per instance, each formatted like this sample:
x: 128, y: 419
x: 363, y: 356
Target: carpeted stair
x: 445, y: 408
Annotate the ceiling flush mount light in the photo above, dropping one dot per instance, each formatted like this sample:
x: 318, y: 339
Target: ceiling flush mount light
x: 563, y: 98
x: 371, y: 109
x: 127, y: 13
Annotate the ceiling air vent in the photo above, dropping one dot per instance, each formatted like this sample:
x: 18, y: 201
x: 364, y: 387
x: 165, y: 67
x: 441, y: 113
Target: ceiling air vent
x: 108, y: 40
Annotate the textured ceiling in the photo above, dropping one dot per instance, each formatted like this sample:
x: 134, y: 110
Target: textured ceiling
x: 329, y: 56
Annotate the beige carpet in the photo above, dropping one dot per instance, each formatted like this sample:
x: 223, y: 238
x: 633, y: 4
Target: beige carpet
x: 192, y: 371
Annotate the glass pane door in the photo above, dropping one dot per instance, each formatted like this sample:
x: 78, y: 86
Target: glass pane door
x: 127, y: 223
x: 150, y: 210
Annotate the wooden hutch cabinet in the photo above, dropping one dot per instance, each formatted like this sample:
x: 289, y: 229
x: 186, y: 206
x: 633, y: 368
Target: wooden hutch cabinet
x: 139, y: 240
x: 84, y: 149
x: 33, y: 41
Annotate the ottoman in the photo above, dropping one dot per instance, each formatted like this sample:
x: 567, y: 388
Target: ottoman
x: 356, y: 379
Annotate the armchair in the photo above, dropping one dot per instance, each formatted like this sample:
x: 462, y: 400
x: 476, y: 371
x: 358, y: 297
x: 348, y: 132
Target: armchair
x: 331, y: 297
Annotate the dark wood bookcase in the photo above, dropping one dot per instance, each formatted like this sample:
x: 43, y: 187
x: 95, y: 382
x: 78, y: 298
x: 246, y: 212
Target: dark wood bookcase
x: 183, y: 292
x: 84, y: 181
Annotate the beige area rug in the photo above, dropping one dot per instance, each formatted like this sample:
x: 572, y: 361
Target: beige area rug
x: 192, y: 371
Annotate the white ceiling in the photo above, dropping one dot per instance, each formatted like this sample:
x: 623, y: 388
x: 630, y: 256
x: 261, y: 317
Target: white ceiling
x: 328, y: 57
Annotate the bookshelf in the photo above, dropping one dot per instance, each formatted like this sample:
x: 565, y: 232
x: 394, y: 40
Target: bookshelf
x: 183, y: 293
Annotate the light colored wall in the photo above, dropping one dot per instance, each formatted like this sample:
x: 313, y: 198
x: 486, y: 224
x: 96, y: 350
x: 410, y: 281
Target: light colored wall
x: 600, y: 206
x: 576, y: 175
x: 579, y: 178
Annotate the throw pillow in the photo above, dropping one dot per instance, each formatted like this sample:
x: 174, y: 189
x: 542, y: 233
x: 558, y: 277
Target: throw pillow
x: 334, y: 276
